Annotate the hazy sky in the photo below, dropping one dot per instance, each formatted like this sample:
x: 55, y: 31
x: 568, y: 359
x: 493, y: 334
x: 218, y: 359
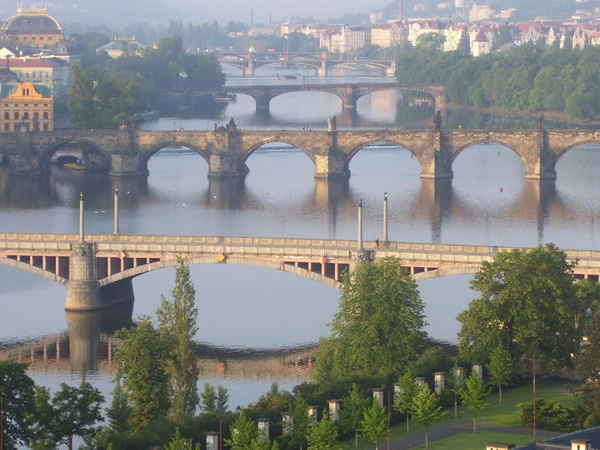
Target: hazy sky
x: 239, y: 10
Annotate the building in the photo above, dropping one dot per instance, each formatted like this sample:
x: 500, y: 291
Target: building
x: 480, y: 45
x: 33, y: 31
x: 480, y: 12
x: 120, y: 46
x: 25, y: 107
x: 53, y: 72
x: 387, y: 35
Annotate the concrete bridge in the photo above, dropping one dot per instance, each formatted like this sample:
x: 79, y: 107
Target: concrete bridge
x: 125, y: 152
x: 349, y: 93
x: 320, y: 62
x: 98, y: 272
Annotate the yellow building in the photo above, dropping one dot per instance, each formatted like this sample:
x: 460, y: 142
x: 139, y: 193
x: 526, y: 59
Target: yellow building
x: 25, y: 107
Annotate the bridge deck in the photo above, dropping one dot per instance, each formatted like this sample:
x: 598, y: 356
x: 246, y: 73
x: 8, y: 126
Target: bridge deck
x: 131, y: 255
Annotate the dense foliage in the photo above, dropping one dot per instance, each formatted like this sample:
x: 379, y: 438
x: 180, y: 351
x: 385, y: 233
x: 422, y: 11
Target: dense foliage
x: 528, y: 78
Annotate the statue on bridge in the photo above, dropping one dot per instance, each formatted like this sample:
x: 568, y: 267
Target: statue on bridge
x: 331, y: 123
x: 436, y: 121
x: 541, y: 122
x: 231, y: 126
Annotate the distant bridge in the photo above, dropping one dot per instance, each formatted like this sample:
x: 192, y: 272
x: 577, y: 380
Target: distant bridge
x: 126, y: 152
x: 349, y: 93
x: 102, y: 267
x: 320, y: 62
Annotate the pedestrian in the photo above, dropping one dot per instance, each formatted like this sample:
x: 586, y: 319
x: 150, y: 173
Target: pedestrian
x: 377, y: 242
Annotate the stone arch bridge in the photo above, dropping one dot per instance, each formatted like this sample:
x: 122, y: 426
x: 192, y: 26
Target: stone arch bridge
x: 98, y: 272
x: 126, y: 152
x: 349, y: 93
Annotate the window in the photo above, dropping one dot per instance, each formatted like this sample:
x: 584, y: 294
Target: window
x: 6, y: 116
x: 6, y: 127
x: 16, y: 116
x: 45, y: 115
x: 45, y: 127
x: 25, y: 115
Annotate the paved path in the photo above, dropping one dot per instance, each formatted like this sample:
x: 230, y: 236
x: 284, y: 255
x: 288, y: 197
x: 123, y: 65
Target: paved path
x: 451, y: 429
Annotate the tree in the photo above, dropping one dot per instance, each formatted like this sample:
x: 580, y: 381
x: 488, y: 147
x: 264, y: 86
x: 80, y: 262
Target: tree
x: 119, y: 412
x: 378, y: 328
x: 177, y: 326
x: 243, y: 432
x: 527, y: 304
x: 426, y: 409
x: 301, y: 421
x: 374, y: 422
x: 500, y: 369
x: 323, y: 435
x: 587, y: 362
x: 351, y: 414
x: 409, y: 389
x: 456, y: 382
x: 142, y: 370
x: 72, y: 412
x: 179, y: 443
x: 472, y: 395
x: 16, y: 400
x: 214, y: 401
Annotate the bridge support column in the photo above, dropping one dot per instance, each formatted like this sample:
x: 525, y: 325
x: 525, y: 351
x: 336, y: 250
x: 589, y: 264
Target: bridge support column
x: 84, y: 338
x: 391, y: 71
x: 322, y: 70
x: 83, y: 293
x: 225, y: 163
x: 436, y: 159
x: 249, y: 70
x: 27, y: 164
x: 359, y: 257
x: 125, y: 165
x: 541, y: 166
x: 331, y: 163
x: 262, y: 102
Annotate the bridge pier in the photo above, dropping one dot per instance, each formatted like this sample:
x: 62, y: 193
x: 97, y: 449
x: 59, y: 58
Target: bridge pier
x: 126, y: 165
x: 228, y: 162
x: 331, y: 164
x: 83, y: 292
x: 27, y: 164
x: 322, y: 69
x: 436, y: 158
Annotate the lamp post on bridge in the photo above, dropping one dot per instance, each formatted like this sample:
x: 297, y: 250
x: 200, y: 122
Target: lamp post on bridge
x: 116, y: 218
x: 360, y: 231
x: 81, y: 240
x: 385, y: 219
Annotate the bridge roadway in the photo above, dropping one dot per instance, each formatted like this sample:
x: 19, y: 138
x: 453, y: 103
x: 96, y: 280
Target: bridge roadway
x: 99, y: 271
x: 349, y: 93
x: 126, y: 152
x: 249, y: 62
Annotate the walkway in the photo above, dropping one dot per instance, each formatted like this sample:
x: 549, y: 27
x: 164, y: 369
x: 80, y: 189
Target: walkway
x: 451, y: 429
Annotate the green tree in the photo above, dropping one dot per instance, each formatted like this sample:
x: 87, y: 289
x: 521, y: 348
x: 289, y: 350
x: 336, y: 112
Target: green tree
x: 409, y: 389
x: 500, y: 368
x: 179, y: 443
x: 72, y: 412
x: 17, y: 397
x: 587, y: 361
x: 119, y: 412
x: 214, y: 400
x: 527, y: 304
x: 473, y: 394
x: 301, y: 421
x: 243, y: 433
x: 379, y: 326
x: 456, y: 382
x: 142, y: 369
x: 323, y: 435
x: 177, y: 326
x: 351, y: 414
x: 426, y: 409
x: 374, y: 422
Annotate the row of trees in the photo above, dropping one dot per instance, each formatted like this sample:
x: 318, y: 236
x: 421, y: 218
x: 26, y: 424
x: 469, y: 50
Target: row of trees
x: 529, y: 78
x: 104, y: 90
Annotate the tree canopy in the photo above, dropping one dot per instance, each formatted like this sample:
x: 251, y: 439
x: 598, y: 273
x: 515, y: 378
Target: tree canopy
x: 378, y: 328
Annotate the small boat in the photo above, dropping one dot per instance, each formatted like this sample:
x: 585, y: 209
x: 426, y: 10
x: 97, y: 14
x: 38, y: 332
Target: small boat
x: 74, y: 166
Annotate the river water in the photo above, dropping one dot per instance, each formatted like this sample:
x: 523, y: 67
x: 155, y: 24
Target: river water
x: 247, y: 314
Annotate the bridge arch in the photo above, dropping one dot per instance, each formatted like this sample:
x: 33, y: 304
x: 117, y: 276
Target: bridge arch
x: 505, y: 144
x: 34, y: 270
x: 324, y: 89
x: 157, y: 148
x: 573, y: 145
x: 210, y: 259
x: 249, y: 151
x: 87, y: 148
x: 384, y: 140
x: 439, y: 273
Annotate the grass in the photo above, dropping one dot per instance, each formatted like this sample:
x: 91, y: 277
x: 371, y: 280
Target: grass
x: 506, y: 414
x: 470, y: 441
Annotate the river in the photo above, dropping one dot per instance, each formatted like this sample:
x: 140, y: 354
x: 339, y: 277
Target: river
x: 244, y: 309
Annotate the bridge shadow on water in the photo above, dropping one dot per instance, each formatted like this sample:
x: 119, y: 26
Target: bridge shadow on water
x: 87, y: 348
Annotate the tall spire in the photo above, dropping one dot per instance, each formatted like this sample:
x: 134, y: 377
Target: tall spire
x: 400, y: 11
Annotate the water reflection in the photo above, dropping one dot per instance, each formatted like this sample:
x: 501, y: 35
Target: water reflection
x: 86, y: 348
